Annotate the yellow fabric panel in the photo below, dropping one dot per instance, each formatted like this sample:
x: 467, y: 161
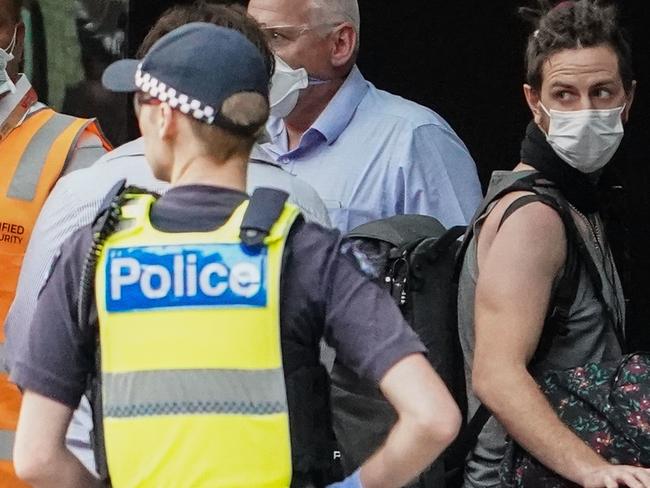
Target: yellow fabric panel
x: 232, y: 339
x: 209, y: 464
x: 143, y: 232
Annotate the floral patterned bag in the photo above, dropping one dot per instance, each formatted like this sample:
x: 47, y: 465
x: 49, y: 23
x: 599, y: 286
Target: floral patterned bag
x: 606, y: 404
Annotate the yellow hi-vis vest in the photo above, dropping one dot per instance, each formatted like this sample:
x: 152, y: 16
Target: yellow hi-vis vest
x: 191, y: 362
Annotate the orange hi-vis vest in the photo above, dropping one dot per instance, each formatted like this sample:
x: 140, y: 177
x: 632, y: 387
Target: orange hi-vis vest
x: 32, y: 158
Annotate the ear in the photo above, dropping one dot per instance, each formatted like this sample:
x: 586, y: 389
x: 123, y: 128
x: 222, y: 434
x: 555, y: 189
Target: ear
x: 167, y: 122
x: 345, y: 43
x: 19, y: 48
x: 628, y: 104
x: 533, y: 99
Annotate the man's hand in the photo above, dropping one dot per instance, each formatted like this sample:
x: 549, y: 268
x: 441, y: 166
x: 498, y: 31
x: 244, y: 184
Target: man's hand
x: 614, y: 476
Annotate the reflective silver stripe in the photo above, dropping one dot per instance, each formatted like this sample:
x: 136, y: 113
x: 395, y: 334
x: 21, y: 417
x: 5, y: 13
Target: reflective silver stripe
x: 7, y: 438
x: 3, y: 358
x: 84, y: 157
x: 25, y: 181
x: 179, y: 392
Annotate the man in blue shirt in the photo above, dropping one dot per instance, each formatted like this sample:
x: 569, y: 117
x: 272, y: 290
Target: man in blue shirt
x: 368, y: 153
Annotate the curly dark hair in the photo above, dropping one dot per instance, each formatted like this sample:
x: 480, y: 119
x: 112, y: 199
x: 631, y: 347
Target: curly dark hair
x: 231, y: 16
x: 572, y: 25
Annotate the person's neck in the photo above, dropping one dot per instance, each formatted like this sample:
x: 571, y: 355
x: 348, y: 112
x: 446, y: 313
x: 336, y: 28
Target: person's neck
x: 207, y: 170
x: 309, y: 108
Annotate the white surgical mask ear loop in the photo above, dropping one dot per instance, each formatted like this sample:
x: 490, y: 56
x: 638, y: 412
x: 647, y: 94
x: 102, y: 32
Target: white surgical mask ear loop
x: 548, y: 114
x: 546, y: 111
x: 12, y: 44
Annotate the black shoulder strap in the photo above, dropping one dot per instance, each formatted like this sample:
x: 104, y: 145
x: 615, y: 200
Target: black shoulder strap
x: 525, y: 183
x: 567, y: 286
x: 264, y: 209
x: 519, y: 203
x: 592, y: 270
x: 468, y: 437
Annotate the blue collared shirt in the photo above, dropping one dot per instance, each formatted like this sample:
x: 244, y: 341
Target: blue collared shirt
x: 372, y: 155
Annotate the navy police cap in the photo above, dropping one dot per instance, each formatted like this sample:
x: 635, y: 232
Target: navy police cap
x: 194, y: 69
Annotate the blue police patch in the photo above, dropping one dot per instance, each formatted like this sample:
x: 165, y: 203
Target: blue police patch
x: 198, y: 275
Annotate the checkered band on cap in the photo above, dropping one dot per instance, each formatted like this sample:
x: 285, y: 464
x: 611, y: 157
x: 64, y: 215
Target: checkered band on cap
x: 187, y: 105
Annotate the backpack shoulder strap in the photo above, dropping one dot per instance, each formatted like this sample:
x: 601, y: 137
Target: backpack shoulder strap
x: 468, y: 437
x: 264, y: 209
x: 567, y: 285
x: 528, y: 182
x: 520, y: 203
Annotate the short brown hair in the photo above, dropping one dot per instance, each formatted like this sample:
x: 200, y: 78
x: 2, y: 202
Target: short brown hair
x: 244, y: 109
x: 231, y: 16
x: 573, y: 25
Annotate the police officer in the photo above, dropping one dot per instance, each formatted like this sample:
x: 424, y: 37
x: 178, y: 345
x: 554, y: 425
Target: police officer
x: 210, y: 307
x: 37, y: 145
x: 73, y: 203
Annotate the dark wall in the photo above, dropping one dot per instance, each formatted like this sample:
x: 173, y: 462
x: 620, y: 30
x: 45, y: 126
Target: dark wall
x: 464, y: 59
x: 460, y: 58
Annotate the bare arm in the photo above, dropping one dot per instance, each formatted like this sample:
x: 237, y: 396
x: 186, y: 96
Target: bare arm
x: 40, y: 455
x: 517, y: 268
x: 428, y: 421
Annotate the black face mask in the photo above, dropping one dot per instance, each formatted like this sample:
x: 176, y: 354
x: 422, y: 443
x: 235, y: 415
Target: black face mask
x: 578, y: 188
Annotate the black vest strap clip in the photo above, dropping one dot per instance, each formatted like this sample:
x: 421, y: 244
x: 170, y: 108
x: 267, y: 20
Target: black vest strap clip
x: 264, y: 209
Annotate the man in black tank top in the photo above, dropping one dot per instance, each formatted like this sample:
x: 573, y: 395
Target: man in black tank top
x: 580, y: 89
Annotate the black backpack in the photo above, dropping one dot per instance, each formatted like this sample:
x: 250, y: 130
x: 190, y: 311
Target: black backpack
x: 418, y: 261
x: 414, y: 259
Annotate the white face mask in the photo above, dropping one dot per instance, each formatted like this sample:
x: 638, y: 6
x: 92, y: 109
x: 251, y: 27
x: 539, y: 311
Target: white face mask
x: 286, y: 85
x: 6, y: 55
x: 585, y: 139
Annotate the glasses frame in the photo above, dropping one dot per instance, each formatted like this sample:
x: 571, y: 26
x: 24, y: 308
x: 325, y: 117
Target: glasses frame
x: 300, y: 30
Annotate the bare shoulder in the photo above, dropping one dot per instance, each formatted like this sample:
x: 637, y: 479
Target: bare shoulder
x: 534, y: 231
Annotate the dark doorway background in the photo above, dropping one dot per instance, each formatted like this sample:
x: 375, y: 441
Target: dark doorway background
x: 464, y: 59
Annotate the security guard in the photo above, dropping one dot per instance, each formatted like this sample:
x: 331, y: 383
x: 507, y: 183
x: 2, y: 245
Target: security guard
x: 208, y: 309
x: 37, y: 147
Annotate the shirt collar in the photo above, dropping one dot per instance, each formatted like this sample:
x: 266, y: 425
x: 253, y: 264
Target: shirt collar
x: 10, y: 100
x: 338, y: 113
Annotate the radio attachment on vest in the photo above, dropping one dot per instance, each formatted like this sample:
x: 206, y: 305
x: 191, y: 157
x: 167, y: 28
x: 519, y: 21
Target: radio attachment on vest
x: 263, y: 211
x: 105, y: 223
